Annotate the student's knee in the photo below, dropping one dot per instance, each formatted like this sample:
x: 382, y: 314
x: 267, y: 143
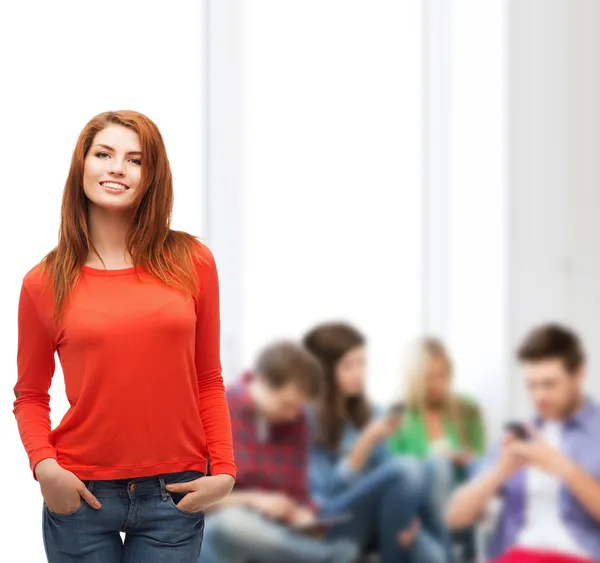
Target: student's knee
x: 408, y: 471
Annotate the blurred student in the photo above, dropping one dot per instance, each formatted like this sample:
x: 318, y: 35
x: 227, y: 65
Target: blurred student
x: 546, y: 473
x: 261, y: 521
x: 351, y: 467
x: 131, y: 307
x: 440, y: 424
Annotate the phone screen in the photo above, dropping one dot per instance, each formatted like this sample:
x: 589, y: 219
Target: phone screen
x: 518, y: 429
x: 397, y: 409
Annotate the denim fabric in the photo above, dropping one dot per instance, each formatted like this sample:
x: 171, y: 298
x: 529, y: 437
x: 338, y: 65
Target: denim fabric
x: 242, y: 535
x: 384, y: 502
x: 156, y: 530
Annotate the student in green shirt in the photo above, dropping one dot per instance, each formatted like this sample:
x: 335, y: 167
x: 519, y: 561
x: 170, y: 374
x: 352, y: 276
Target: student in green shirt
x: 439, y: 423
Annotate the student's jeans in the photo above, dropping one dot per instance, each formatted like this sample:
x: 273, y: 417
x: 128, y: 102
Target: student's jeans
x: 445, y: 482
x: 156, y: 530
x: 242, y: 535
x: 382, y: 503
x: 386, y: 501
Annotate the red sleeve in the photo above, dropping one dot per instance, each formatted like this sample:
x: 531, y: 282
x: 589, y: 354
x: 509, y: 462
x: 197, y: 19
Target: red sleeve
x: 35, y: 368
x: 214, y: 411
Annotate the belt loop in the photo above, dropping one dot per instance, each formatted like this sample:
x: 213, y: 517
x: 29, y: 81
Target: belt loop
x: 163, y: 488
x: 91, y: 486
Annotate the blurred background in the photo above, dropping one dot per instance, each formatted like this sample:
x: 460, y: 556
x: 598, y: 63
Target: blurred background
x: 410, y: 166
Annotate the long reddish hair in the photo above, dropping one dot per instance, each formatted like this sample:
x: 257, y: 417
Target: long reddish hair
x: 166, y: 254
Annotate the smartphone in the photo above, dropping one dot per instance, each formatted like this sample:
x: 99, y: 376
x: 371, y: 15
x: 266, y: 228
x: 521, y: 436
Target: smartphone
x: 518, y: 429
x: 397, y: 409
x: 324, y: 522
x: 395, y: 413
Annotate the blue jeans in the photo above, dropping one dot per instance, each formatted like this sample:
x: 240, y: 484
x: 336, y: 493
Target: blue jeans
x: 156, y: 531
x: 241, y: 535
x: 444, y: 484
x: 385, y: 502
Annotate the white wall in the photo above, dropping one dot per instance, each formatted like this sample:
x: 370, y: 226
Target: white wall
x: 465, y: 208
x: 63, y: 62
x: 555, y: 176
x: 329, y: 192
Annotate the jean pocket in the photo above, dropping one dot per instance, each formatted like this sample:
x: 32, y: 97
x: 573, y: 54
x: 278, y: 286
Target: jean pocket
x: 89, y: 486
x: 68, y: 514
x: 174, y: 498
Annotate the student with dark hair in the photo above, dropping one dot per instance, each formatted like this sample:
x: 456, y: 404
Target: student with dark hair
x: 351, y: 467
x: 547, y: 472
x: 270, y: 516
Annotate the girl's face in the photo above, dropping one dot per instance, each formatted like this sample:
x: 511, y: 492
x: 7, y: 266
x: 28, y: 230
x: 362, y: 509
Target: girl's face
x: 112, y: 169
x: 350, y: 372
x: 437, y: 380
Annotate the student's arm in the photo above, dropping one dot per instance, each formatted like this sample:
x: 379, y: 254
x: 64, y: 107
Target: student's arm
x: 469, y: 502
x: 584, y: 488
x: 214, y: 412
x: 272, y: 505
x: 364, y: 446
x: 371, y: 445
x: 247, y: 499
x: 35, y: 366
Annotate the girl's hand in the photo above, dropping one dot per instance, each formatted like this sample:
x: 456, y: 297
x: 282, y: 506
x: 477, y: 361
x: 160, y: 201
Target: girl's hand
x: 382, y: 428
x: 202, y: 492
x: 62, y: 490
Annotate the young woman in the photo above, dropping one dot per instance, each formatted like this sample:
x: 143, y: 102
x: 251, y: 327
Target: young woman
x: 351, y: 468
x: 439, y: 424
x: 132, y: 309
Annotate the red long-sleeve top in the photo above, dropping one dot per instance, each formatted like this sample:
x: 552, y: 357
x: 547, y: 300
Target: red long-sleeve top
x: 142, y: 371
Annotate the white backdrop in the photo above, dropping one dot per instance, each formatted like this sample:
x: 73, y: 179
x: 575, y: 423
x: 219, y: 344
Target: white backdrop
x: 317, y: 147
x: 479, y: 222
x: 64, y: 62
x: 555, y: 173
x: 331, y: 174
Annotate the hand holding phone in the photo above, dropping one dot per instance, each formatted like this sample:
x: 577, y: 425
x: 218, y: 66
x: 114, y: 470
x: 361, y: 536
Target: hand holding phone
x: 518, y: 430
x: 396, y: 412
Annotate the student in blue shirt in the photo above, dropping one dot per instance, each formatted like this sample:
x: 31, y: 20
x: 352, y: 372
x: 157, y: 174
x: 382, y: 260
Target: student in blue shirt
x: 351, y: 468
x: 546, y: 472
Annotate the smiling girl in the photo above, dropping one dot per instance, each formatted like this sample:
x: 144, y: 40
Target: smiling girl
x: 131, y: 307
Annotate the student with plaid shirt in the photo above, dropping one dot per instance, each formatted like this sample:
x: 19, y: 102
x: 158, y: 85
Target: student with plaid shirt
x: 258, y: 522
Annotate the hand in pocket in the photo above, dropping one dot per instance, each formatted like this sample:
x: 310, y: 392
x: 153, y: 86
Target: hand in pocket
x: 202, y: 492
x: 63, y: 492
